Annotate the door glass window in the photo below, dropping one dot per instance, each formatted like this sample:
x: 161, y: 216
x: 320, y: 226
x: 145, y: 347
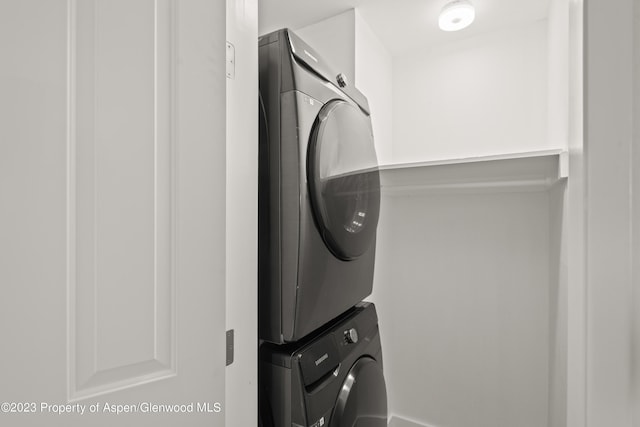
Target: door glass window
x: 344, y: 179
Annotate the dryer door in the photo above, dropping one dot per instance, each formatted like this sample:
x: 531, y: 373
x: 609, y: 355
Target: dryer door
x: 344, y: 182
x: 362, y: 401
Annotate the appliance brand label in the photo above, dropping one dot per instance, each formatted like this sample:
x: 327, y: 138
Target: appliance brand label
x: 322, y: 359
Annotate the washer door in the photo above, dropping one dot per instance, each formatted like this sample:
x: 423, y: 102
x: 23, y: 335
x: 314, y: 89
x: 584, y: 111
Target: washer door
x: 344, y: 182
x: 362, y: 401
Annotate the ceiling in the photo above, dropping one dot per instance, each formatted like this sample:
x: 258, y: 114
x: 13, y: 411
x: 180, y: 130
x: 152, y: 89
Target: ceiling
x: 401, y: 25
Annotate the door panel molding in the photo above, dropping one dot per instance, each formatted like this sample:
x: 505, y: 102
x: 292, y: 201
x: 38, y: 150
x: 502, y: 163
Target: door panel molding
x: 121, y: 194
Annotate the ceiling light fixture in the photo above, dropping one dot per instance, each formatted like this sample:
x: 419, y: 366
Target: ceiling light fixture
x: 456, y: 15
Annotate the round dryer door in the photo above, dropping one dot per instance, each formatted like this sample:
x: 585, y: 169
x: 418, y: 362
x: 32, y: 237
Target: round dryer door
x: 362, y: 401
x: 344, y: 182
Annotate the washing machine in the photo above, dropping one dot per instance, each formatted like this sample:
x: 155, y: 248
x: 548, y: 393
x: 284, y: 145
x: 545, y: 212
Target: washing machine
x: 319, y: 191
x: 333, y: 378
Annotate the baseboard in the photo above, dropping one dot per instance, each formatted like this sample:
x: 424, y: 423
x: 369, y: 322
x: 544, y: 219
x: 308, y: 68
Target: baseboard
x: 397, y: 421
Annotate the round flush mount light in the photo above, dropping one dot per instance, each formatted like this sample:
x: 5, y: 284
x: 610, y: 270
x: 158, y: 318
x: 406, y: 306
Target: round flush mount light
x: 456, y: 15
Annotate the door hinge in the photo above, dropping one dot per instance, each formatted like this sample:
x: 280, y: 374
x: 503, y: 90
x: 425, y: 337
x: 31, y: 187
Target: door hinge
x: 229, y: 347
x: 231, y: 61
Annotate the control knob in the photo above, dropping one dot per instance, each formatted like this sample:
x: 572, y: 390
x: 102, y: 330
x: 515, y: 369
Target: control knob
x: 341, y: 79
x: 351, y: 336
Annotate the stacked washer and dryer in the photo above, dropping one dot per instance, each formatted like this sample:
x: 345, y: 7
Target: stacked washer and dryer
x: 320, y: 359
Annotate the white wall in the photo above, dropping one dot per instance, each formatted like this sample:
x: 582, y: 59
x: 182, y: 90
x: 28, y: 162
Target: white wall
x: 558, y: 307
x: 608, y: 143
x: 478, y: 96
x: 558, y: 136
x: 521, y: 76
x: 636, y: 209
x: 335, y: 39
x: 462, y: 284
x: 573, y: 226
x: 374, y: 78
x: 242, y: 207
x: 558, y: 73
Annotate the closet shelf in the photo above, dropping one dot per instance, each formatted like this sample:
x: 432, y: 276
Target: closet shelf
x: 528, y: 171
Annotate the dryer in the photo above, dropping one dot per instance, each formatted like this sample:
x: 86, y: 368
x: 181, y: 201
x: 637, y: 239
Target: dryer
x: 319, y: 191
x: 333, y: 378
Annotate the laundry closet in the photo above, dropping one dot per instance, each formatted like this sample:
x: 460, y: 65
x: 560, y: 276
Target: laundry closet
x: 507, y: 262
x: 474, y: 133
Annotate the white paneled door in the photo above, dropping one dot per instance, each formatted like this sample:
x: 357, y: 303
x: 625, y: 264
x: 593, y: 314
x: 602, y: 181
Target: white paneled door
x: 112, y: 212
